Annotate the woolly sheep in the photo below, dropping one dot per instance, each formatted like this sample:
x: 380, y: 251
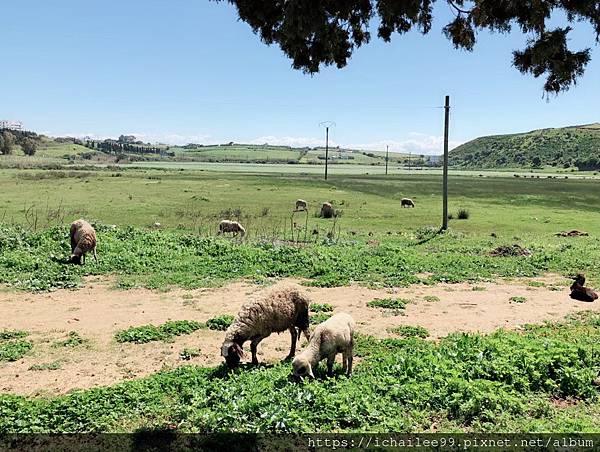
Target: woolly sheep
x: 407, y: 202
x: 335, y: 335
x: 301, y: 204
x: 327, y: 210
x: 83, y: 240
x: 279, y: 310
x: 231, y: 226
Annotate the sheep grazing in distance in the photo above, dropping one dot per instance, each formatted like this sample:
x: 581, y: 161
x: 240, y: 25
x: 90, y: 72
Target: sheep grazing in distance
x: 327, y: 210
x: 335, y: 335
x: 406, y: 202
x: 83, y: 240
x: 280, y: 310
x: 231, y: 226
x: 581, y: 293
x: 301, y: 205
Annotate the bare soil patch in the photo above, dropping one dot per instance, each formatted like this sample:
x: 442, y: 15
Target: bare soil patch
x: 98, y: 311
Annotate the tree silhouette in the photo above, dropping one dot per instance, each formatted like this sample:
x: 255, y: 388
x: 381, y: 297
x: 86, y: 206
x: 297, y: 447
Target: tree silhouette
x: 316, y: 33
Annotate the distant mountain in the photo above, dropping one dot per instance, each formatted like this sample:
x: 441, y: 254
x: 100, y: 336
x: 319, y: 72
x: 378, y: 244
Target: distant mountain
x: 567, y: 147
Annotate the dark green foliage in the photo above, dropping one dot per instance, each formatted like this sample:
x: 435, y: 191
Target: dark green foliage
x: 566, y: 147
x: 319, y: 317
x: 321, y: 307
x: 189, y: 353
x: 505, y: 381
x: 313, y: 34
x: 12, y: 334
x: 14, y: 349
x: 388, y: 303
x: 220, y: 323
x: 410, y: 331
x: 157, y: 259
x: 164, y: 332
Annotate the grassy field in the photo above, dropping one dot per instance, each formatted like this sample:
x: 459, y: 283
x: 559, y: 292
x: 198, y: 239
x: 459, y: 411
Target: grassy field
x: 539, y: 379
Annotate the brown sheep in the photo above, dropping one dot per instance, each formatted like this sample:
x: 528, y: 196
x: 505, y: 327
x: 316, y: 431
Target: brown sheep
x: 301, y: 205
x: 83, y: 240
x: 231, y: 226
x: 280, y: 310
x: 327, y: 210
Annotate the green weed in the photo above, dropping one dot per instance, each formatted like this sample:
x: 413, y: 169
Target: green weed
x: 14, y: 349
x: 388, y: 303
x: 73, y: 339
x: 321, y: 307
x: 518, y: 299
x: 189, y: 353
x: 410, y: 331
x: 220, y: 323
x: 166, y: 331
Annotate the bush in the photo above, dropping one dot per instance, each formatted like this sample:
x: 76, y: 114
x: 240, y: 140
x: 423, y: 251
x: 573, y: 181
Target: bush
x: 14, y: 350
x: 319, y: 317
x: 318, y: 307
x: 149, y: 333
x: 388, y: 303
x: 463, y: 214
x: 220, y: 323
x: 410, y: 331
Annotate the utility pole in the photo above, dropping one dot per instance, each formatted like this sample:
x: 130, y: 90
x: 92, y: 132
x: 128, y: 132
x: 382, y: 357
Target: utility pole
x: 387, y: 153
x: 327, y: 124
x: 326, y: 149
x: 445, y: 177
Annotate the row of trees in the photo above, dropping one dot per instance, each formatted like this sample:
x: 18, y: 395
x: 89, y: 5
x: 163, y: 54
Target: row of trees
x: 28, y: 141
x: 116, y: 147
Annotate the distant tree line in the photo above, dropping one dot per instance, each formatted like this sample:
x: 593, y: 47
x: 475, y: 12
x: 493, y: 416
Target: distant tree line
x: 124, y: 146
x: 28, y: 141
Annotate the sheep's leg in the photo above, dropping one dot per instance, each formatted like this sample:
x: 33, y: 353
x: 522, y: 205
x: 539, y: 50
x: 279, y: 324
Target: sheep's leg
x: 95, y: 256
x: 253, y: 346
x: 73, y: 244
x: 350, y: 354
x: 345, y: 361
x: 294, y: 335
x: 83, y: 259
x: 330, y: 361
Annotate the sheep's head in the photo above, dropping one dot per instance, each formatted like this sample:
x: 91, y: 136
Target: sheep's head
x: 302, y: 367
x: 232, y: 353
x: 75, y: 259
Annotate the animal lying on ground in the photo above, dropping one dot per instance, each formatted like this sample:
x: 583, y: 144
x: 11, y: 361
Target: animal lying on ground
x: 83, y: 240
x: 301, y: 204
x: 581, y: 293
x: 280, y: 310
x: 406, y: 202
x: 335, y: 335
x: 231, y: 226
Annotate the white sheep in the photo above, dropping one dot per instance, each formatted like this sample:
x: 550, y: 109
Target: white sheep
x: 301, y: 204
x: 231, y: 226
x: 407, y: 202
x: 335, y: 335
x: 279, y: 310
x: 83, y: 240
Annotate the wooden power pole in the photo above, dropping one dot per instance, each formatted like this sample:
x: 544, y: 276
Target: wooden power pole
x: 326, y: 149
x: 387, y: 152
x: 445, y: 176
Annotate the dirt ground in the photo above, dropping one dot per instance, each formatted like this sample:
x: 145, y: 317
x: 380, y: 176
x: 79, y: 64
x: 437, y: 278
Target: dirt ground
x: 98, y: 311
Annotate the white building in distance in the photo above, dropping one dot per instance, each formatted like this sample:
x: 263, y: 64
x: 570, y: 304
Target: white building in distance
x: 11, y: 125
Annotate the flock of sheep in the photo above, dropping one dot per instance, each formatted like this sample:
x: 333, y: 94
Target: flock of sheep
x: 327, y: 211
x: 284, y: 309
x: 288, y: 309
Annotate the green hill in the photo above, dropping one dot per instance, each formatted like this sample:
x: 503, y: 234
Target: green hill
x: 568, y: 147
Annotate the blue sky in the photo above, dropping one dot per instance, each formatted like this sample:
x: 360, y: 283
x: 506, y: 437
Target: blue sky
x: 182, y: 71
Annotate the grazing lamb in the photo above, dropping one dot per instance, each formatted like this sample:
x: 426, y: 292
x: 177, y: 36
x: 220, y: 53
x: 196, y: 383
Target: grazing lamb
x: 333, y: 336
x: 327, y: 210
x: 83, y: 240
x: 406, y: 202
x: 301, y: 204
x: 581, y: 293
x: 231, y: 226
x: 280, y: 310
